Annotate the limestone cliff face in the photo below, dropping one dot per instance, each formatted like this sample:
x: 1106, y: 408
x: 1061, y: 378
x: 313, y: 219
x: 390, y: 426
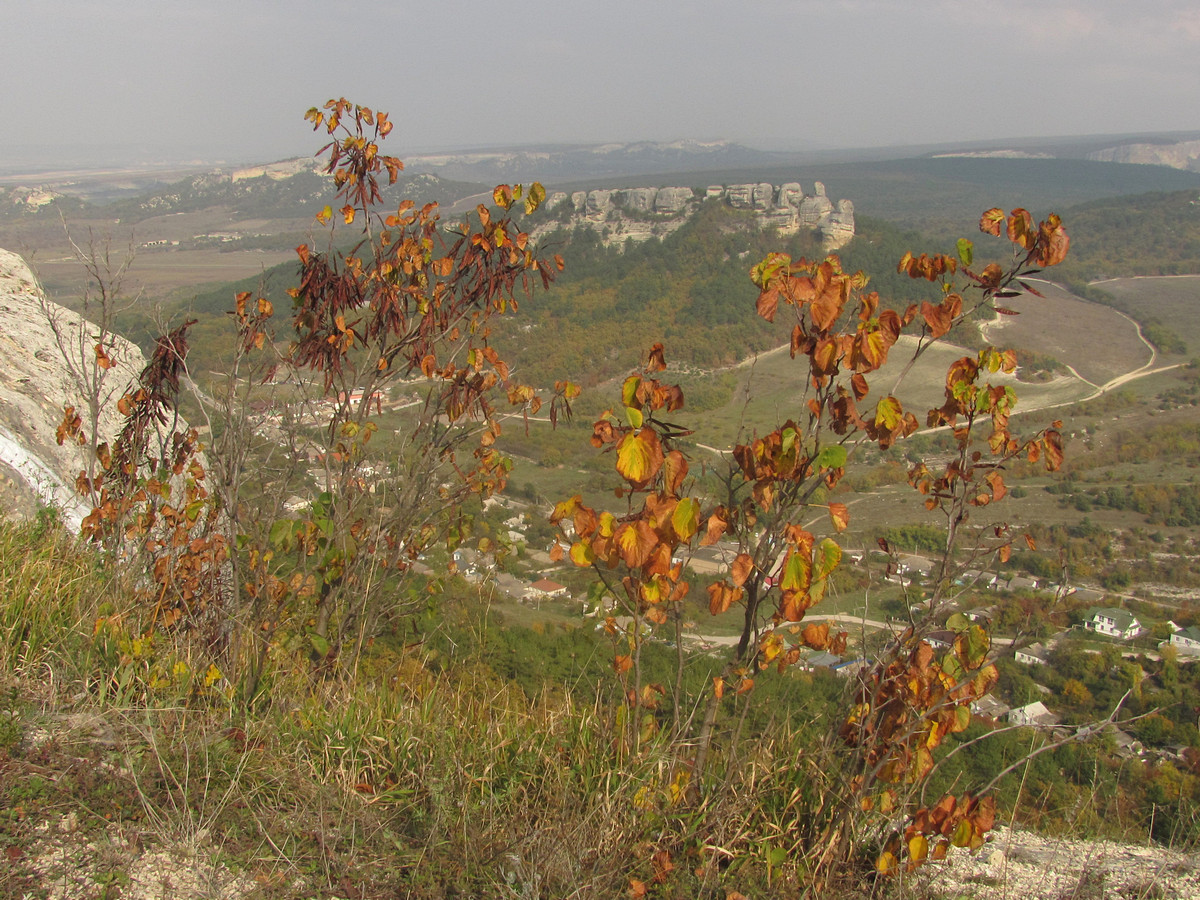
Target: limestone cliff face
x: 642, y: 213
x: 40, y: 344
x: 1181, y: 155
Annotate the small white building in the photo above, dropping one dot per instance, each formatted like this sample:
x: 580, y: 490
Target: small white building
x: 989, y: 707
x: 1187, y: 641
x: 914, y: 566
x: 1035, y: 714
x: 1022, y: 583
x: 1033, y: 655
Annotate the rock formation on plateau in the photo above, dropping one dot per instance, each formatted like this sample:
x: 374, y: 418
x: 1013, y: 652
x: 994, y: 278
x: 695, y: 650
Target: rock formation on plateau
x: 641, y: 213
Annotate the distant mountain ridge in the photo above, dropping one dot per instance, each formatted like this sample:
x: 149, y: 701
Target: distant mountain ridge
x: 590, y: 161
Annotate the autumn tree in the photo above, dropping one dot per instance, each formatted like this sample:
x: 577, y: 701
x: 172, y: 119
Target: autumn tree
x: 394, y: 328
x: 909, y: 697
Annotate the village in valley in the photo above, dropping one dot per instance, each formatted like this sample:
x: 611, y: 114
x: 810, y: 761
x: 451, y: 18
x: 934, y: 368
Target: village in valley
x: 1037, y: 656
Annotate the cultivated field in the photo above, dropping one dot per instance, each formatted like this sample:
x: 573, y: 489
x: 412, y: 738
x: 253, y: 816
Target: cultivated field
x: 193, y: 258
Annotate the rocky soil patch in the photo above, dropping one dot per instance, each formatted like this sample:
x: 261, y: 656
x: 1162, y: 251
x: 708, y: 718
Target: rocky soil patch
x: 1021, y: 865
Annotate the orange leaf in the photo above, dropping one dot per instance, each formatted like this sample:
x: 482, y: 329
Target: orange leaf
x: 721, y: 596
x: 793, y: 605
x: 827, y: 307
x: 636, y: 541
x: 990, y: 221
x: 937, y: 319
x: 1052, y: 443
x: 718, y: 524
x: 742, y: 566
x: 675, y: 469
x: 839, y: 515
x: 767, y: 304
x: 1053, y: 242
x: 656, y: 362
x: 816, y: 636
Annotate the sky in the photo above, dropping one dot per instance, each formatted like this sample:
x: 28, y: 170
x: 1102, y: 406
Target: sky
x: 230, y: 79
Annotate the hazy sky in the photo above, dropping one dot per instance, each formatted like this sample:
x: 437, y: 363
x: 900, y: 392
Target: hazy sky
x: 232, y: 78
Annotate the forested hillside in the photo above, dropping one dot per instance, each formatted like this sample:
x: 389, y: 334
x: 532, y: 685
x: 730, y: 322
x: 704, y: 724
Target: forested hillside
x: 1148, y: 234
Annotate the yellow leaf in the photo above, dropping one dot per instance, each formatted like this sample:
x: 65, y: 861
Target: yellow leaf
x: 686, y: 518
x: 962, y: 834
x: 639, y: 457
x: 918, y: 848
x: 581, y: 554
x: 534, y: 198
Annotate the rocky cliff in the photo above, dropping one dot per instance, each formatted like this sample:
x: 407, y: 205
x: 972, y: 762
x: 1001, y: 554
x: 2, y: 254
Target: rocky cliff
x: 642, y: 213
x: 45, y: 351
x: 1180, y: 155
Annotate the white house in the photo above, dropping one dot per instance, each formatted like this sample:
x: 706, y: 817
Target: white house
x: 1187, y: 640
x: 982, y: 614
x: 544, y: 588
x: 1034, y: 713
x: 915, y: 566
x: 1023, y: 583
x: 1118, y: 623
x: 989, y: 707
x: 1033, y: 655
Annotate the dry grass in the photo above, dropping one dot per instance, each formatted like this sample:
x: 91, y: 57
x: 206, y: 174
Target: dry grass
x: 1171, y: 300
x: 1097, y: 341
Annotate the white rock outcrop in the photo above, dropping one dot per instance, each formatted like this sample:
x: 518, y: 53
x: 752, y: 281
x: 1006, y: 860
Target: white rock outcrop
x: 41, y: 343
x: 1179, y: 155
x: 641, y: 213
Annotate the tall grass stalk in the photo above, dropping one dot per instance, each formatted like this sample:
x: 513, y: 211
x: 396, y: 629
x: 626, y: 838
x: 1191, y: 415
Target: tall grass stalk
x: 50, y: 593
